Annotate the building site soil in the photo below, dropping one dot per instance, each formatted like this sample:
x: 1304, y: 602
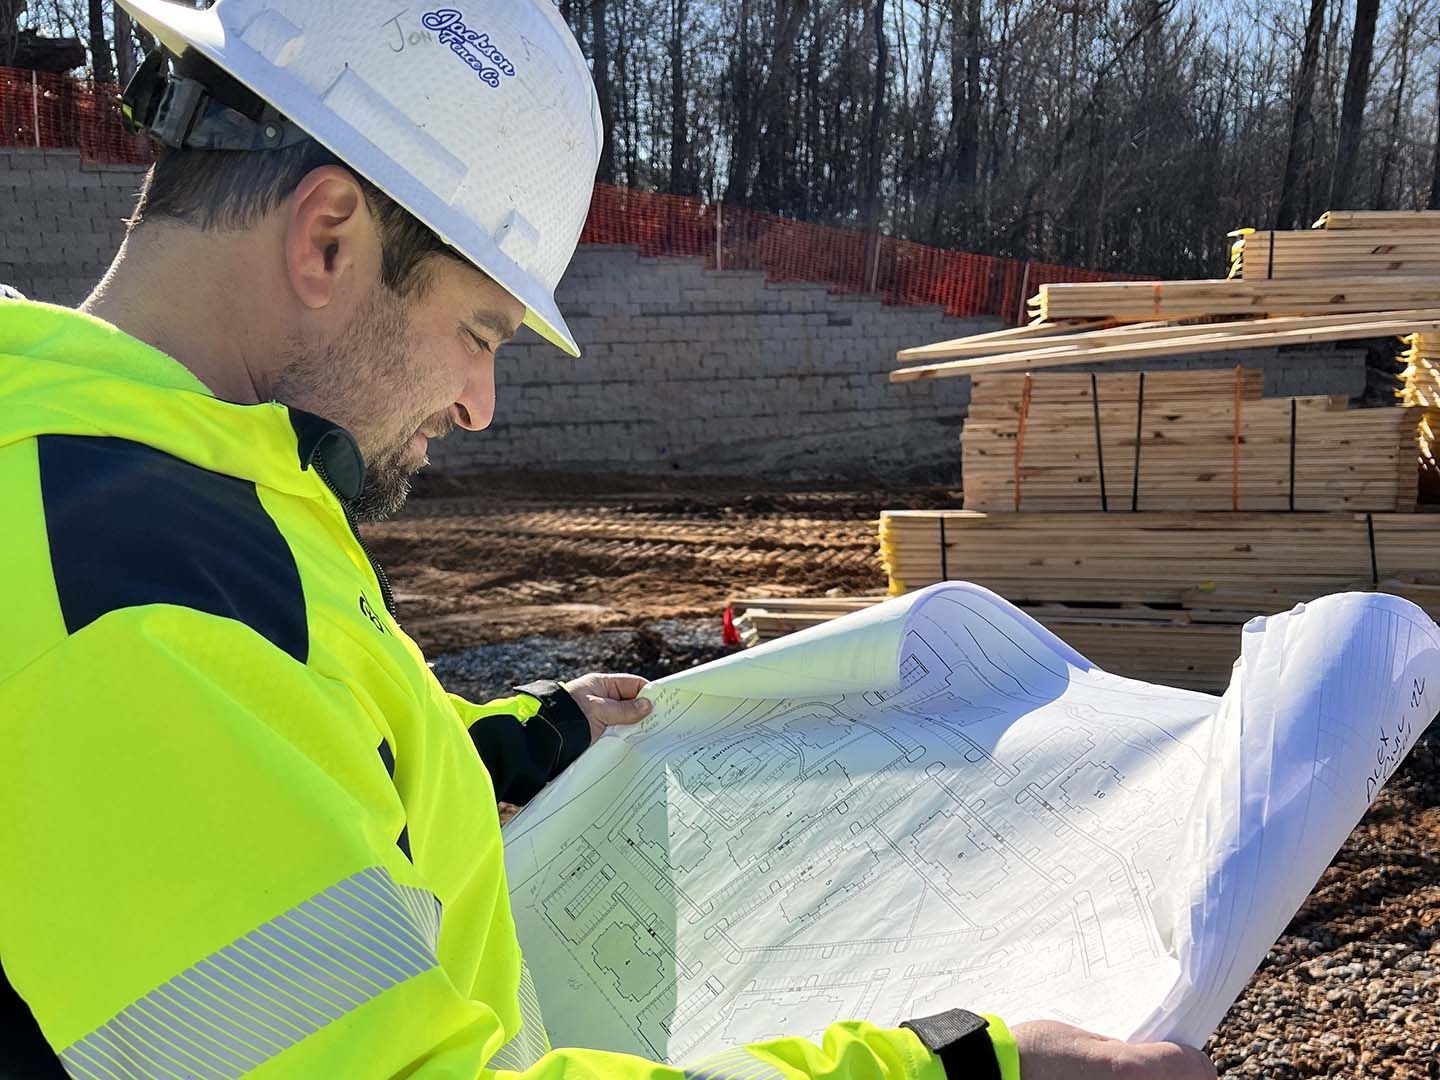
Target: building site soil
x: 549, y: 576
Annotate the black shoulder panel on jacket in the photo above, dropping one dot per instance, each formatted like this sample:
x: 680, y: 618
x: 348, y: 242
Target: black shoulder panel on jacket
x: 24, y: 1053
x: 130, y: 525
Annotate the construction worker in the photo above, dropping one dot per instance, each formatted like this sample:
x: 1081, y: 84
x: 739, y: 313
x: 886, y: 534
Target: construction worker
x: 245, y: 830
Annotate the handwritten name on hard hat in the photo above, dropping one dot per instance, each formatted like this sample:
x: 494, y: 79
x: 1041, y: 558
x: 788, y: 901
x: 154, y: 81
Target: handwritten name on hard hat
x: 472, y: 46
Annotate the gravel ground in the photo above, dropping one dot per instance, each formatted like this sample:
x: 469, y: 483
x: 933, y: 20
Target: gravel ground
x: 1352, y: 989
x: 482, y: 672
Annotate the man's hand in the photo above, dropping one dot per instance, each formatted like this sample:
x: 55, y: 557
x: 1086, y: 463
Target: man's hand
x: 607, y: 700
x: 1053, y: 1051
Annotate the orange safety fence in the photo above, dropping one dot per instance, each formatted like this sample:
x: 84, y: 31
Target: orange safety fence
x: 59, y: 112
x: 845, y: 260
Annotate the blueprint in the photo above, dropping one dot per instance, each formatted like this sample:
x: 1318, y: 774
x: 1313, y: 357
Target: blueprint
x: 936, y: 803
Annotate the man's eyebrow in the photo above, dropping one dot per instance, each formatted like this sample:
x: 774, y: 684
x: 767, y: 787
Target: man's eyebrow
x: 495, y: 322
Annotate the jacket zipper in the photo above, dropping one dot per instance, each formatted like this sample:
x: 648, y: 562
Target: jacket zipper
x: 380, y: 576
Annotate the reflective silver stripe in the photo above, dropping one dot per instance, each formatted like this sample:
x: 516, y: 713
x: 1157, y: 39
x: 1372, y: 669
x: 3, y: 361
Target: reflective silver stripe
x: 531, y: 1042
x: 737, y: 1064
x: 265, y: 992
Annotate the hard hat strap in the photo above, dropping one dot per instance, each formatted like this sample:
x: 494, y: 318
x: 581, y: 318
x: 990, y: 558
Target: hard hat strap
x: 182, y: 114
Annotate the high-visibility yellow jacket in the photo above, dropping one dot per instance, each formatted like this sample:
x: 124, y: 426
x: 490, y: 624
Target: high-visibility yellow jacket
x: 242, y: 826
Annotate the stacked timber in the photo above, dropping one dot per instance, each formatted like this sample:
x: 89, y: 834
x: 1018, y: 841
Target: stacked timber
x: 1145, y: 517
x: 762, y: 618
x: 1269, y: 560
x: 1420, y: 390
x: 1179, y: 440
x: 1357, y: 274
x: 1267, y: 254
x: 1168, y: 647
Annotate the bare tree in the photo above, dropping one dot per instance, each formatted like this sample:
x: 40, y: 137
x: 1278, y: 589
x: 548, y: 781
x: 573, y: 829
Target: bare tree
x: 1352, y: 112
x: 124, y: 43
x: 1392, y: 139
x: 1433, y: 202
x: 100, y: 65
x: 600, y: 71
x: 680, y: 181
x: 877, y: 120
x: 1300, y: 116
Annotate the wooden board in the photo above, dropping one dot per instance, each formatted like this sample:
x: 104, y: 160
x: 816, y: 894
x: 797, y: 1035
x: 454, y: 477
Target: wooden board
x: 1153, y: 557
x: 1110, y: 345
x: 1080, y: 450
x: 1379, y: 219
x: 1082, y: 304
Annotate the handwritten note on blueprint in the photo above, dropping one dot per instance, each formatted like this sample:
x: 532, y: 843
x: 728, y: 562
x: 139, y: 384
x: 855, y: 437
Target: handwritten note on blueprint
x: 938, y: 803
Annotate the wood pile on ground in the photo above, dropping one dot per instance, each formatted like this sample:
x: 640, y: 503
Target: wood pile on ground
x: 1179, y: 440
x: 1420, y: 389
x: 1146, y: 516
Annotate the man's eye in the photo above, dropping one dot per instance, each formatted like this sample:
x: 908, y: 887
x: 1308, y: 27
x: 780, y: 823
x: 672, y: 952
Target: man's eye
x: 480, y: 341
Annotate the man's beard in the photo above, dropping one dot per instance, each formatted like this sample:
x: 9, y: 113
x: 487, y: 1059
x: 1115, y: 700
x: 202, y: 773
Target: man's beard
x: 387, y: 485
x: 346, y: 380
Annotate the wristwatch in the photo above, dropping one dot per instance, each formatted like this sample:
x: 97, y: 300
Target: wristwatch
x: 961, y: 1040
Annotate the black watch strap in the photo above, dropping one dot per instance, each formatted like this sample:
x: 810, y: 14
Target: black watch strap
x: 961, y: 1040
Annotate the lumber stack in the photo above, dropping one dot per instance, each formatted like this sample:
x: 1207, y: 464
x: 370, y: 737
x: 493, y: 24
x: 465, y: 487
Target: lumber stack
x: 1166, y: 646
x: 1145, y: 517
x: 1355, y: 275
x: 1158, y: 557
x: 1420, y: 390
x: 1261, y: 255
x: 759, y: 619
x: 1181, y: 440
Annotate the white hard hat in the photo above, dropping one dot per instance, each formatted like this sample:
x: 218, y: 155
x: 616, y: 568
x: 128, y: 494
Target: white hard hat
x: 479, y: 119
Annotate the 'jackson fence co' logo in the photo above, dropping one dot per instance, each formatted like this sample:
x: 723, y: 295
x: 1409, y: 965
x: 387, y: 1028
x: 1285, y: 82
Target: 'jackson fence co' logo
x: 471, y: 46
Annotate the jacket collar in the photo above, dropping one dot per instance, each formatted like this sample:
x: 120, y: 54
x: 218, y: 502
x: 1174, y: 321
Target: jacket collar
x: 64, y: 372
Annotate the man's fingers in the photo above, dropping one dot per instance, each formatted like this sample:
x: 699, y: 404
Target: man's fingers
x: 612, y: 712
x: 624, y: 686
x: 1168, y: 1060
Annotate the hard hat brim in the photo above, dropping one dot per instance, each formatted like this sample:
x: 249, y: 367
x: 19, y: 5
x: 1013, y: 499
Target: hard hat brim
x: 179, y: 27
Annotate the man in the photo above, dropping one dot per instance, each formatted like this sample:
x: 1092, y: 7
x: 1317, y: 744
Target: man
x: 245, y: 828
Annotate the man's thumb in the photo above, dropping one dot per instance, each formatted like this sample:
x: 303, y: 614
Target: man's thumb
x: 614, y: 712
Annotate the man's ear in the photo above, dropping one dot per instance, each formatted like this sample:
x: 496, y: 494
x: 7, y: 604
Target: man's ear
x: 331, y: 244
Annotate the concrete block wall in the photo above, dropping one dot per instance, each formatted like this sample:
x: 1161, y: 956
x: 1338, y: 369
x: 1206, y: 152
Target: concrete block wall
x: 684, y: 369
x: 61, y: 220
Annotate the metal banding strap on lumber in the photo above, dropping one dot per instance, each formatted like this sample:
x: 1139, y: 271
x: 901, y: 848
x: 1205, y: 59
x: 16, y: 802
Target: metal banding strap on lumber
x: 1139, y: 414
x: 1292, y: 454
x: 1099, y: 444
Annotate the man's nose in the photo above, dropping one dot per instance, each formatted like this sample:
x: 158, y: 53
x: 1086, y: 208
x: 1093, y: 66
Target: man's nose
x: 475, y: 407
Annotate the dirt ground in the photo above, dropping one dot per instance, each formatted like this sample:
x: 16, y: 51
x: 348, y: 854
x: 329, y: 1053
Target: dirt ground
x: 1351, y: 990
x: 547, y: 554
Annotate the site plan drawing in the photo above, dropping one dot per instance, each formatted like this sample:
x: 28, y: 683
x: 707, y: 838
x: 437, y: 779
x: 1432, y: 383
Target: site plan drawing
x: 937, y: 803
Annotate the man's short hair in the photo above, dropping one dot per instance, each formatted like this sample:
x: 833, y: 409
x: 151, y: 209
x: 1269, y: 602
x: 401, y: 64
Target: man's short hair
x: 232, y: 189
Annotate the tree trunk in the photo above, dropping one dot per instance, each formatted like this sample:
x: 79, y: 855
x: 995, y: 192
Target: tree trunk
x: 742, y: 145
x: 124, y: 44
x: 600, y: 71
x: 100, y: 65
x: 679, y: 138
x: 1352, y: 109
x: 1392, y: 141
x: 1433, y: 203
x: 1300, y: 116
x: 773, y: 101
x: 877, y: 119
x: 965, y: 38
